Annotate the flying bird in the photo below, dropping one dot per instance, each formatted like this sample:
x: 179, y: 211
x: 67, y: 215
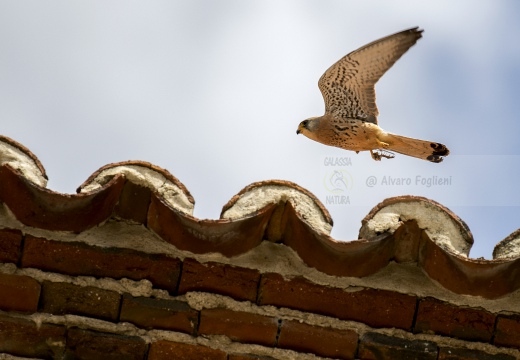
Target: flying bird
x: 350, y: 120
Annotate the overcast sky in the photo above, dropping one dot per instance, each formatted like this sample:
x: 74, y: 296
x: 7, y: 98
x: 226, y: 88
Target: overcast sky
x: 213, y: 91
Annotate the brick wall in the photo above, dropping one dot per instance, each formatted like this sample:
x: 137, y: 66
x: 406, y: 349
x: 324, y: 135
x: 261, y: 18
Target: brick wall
x: 68, y: 300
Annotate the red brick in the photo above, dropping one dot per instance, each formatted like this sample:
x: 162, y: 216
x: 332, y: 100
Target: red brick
x: 91, y: 345
x: 377, y: 308
x: 382, y: 347
x: 19, y: 293
x: 507, y: 332
x: 133, y: 202
x: 446, y: 319
x: 166, y: 350
x: 10, y: 245
x: 248, y: 357
x: 239, y: 326
x: 467, y: 354
x: 236, y: 282
x: 322, y: 341
x: 63, y: 298
x: 74, y: 258
x: 159, y: 314
x: 24, y: 338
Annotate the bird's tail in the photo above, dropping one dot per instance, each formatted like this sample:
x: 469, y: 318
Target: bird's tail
x: 422, y: 149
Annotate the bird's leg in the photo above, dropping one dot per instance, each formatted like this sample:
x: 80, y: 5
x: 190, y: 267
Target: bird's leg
x: 382, y: 145
x: 380, y: 152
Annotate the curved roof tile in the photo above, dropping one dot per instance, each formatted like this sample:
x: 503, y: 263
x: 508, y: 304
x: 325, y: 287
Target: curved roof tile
x: 404, y: 229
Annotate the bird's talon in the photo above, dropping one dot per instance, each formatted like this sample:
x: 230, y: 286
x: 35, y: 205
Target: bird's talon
x: 377, y: 156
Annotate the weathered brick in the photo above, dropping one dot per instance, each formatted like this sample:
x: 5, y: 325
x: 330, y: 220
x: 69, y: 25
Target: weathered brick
x: 25, y: 338
x: 62, y: 298
x: 381, y: 347
x: 239, y: 326
x: 377, y: 308
x: 10, y: 245
x: 467, y: 354
x: 236, y: 282
x: 166, y: 350
x: 249, y: 357
x: 507, y: 331
x: 159, y: 314
x: 74, y: 258
x: 446, y: 319
x: 322, y: 341
x: 92, y: 345
x: 19, y: 293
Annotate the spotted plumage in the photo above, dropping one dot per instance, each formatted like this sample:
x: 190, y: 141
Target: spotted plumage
x: 350, y: 119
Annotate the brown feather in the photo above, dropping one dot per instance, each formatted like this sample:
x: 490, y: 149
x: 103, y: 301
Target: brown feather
x: 348, y: 85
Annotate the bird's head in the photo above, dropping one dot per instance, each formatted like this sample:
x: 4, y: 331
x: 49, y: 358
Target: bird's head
x: 308, y: 127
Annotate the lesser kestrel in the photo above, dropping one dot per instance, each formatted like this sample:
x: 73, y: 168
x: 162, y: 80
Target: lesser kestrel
x: 350, y: 120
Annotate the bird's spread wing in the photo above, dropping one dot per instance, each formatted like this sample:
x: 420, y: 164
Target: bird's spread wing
x: 348, y: 85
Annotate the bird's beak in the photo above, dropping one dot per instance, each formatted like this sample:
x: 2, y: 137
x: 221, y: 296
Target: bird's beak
x: 299, y: 130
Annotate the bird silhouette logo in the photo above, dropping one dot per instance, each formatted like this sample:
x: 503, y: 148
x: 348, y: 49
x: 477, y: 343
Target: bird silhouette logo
x: 338, y: 181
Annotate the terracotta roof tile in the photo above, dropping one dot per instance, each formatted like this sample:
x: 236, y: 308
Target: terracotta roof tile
x: 23, y: 160
x: 38, y: 207
x: 402, y: 229
x: 228, y: 237
x: 146, y: 175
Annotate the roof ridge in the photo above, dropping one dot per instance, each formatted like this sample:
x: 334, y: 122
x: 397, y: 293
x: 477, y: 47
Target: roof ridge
x: 404, y: 229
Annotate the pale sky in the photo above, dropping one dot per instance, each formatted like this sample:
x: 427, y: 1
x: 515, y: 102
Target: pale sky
x: 213, y: 91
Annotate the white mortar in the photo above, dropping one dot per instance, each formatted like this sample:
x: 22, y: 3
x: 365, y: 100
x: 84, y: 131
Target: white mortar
x: 20, y: 161
x: 439, y: 226
x: 261, y: 196
x: 149, y: 178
